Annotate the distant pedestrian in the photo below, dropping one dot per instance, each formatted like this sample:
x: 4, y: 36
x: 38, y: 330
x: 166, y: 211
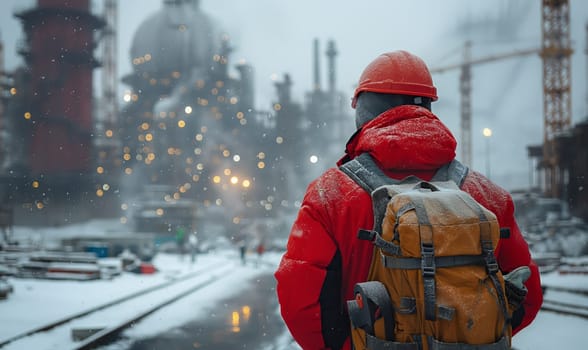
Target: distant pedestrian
x: 260, y: 249
x: 6, y: 222
x: 180, y: 240
x: 193, y: 243
x: 242, y: 251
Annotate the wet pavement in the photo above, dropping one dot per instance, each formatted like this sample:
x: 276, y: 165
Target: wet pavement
x: 247, y: 321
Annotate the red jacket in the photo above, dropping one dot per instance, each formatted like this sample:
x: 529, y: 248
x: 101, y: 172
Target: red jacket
x: 324, y: 258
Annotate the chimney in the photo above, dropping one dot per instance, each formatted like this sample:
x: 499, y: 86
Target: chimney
x: 331, y: 55
x: 317, y: 68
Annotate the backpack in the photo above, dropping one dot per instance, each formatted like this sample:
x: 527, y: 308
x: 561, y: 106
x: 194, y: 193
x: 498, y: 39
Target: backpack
x: 434, y: 282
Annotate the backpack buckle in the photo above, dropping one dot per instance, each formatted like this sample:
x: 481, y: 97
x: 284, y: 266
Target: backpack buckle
x: 428, y: 271
x: 489, y: 258
x: 428, y: 260
x: 491, y: 263
x: 366, y: 235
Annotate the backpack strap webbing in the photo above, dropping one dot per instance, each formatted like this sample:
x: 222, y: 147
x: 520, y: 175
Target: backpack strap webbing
x: 488, y: 255
x: 454, y: 171
x: 375, y: 304
x: 501, y: 344
x: 394, y: 262
x: 379, y: 344
x: 372, y: 342
x: 366, y: 173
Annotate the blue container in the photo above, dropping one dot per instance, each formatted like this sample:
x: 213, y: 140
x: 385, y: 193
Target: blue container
x: 101, y: 251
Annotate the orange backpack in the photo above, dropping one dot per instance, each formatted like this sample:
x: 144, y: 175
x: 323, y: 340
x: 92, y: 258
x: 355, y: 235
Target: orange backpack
x: 434, y: 283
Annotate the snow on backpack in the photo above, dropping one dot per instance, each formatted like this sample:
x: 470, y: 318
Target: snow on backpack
x: 434, y: 283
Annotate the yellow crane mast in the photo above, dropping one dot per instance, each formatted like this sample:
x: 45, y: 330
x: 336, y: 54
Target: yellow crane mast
x: 556, y: 52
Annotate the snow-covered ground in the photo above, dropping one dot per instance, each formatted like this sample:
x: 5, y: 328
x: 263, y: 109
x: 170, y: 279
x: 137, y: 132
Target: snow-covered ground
x: 37, y: 302
x: 555, y: 331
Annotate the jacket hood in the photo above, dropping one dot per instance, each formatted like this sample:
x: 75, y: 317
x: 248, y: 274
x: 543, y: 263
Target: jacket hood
x: 404, y: 138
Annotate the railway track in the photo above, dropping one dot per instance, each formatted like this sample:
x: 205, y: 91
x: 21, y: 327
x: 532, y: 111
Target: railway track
x: 549, y: 289
x: 118, y: 314
x: 566, y: 301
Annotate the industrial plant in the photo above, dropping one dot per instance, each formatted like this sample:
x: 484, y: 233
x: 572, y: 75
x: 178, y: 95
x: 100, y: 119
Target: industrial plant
x: 188, y: 141
x: 185, y: 143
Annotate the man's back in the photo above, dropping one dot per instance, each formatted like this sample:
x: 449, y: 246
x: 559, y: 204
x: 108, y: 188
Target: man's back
x: 324, y: 258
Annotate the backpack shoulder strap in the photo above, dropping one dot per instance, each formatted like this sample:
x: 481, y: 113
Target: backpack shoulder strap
x: 453, y: 171
x: 363, y: 170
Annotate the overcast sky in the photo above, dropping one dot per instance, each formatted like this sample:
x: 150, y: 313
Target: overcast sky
x: 276, y: 37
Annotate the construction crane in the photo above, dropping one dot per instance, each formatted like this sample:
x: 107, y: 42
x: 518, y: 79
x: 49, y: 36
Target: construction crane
x: 107, y: 142
x: 2, y: 93
x: 556, y: 53
x: 6, y: 91
x: 466, y: 91
x: 109, y: 72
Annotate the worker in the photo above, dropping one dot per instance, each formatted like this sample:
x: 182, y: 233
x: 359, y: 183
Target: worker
x: 324, y: 259
x: 260, y: 250
x: 193, y: 244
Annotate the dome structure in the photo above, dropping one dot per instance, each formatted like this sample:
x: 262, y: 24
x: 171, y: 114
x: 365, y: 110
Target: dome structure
x: 176, y: 39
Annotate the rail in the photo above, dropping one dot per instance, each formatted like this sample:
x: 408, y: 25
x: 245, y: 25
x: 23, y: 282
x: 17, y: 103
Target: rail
x: 214, y: 270
x: 106, y: 335
x: 577, y: 306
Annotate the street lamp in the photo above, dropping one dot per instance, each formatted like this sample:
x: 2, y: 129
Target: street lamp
x: 487, y: 132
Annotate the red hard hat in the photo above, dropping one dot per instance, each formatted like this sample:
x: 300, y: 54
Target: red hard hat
x: 397, y: 72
